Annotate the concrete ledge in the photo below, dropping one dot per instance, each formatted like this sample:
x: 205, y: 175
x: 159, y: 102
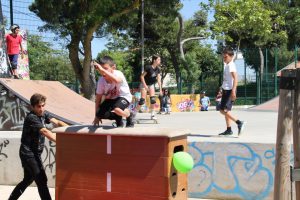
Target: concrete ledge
x: 231, y: 170
x: 11, y: 172
x: 224, y: 169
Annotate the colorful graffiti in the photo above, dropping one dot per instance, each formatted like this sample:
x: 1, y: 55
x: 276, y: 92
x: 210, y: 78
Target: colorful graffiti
x: 232, y: 169
x: 23, y: 63
x: 186, y: 105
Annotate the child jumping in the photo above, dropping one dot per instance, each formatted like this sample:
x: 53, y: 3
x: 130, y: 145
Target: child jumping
x: 114, y: 87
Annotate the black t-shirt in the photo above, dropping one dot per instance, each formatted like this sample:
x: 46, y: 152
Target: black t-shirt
x: 32, y: 141
x: 151, y: 75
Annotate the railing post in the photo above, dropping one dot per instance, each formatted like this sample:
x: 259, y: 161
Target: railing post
x: 282, y: 184
x: 296, y: 130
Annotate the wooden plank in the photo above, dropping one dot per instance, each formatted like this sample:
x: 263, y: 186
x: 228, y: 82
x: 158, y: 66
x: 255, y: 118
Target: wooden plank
x: 146, y: 146
x: 72, y: 193
x: 296, y: 131
x: 140, y: 167
x: 130, y: 165
x: 154, y: 146
x: 177, y: 181
x: 282, y: 184
x: 152, y: 186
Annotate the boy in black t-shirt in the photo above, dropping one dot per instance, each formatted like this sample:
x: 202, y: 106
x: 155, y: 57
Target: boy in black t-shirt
x: 149, y: 77
x: 32, y: 145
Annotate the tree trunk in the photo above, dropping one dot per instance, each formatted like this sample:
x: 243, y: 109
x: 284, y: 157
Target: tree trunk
x: 180, y: 47
x: 83, y: 72
x: 176, y: 67
x: 262, y: 64
x: 88, y: 71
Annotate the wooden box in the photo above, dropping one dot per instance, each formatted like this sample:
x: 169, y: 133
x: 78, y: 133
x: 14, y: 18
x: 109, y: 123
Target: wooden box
x: 116, y: 164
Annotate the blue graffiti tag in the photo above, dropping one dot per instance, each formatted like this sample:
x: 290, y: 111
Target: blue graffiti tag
x: 242, y: 168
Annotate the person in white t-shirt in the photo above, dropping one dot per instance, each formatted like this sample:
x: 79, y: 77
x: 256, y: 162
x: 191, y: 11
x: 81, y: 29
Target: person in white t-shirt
x: 229, y: 86
x: 114, y: 87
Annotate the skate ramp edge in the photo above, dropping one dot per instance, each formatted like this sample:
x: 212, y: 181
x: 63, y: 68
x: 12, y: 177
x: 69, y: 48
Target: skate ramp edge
x: 62, y: 103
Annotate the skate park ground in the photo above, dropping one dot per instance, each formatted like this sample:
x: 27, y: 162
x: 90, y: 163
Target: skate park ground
x: 203, y: 126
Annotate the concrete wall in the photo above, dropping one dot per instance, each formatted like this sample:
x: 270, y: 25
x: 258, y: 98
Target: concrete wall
x: 11, y: 171
x: 222, y: 170
x: 228, y: 170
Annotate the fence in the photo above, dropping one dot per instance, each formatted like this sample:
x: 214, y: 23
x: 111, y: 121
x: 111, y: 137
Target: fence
x: 255, y: 85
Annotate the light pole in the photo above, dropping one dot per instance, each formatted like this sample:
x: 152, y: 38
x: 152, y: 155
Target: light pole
x: 142, y: 35
x: 11, y: 12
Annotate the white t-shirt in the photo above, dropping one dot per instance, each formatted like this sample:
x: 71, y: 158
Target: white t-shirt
x: 227, y: 76
x: 114, y: 90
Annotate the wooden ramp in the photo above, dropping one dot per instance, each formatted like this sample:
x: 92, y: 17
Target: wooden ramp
x: 62, y: 102
x: 271, y: 105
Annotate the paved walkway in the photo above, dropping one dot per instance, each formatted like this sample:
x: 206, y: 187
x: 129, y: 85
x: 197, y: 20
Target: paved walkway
x: 261, y: 127
x: 31, y: 193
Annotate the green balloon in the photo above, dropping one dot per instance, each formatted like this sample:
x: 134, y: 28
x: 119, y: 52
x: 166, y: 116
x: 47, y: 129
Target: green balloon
x: 183, y: 162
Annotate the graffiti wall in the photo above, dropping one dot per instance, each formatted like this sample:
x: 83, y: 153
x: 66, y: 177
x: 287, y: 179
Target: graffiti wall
x: 232, y: 170
x: 23, y: 63
x: 180, y: 103
x: 12, y: 111
x: 11, y: 172
x: 4, y: 69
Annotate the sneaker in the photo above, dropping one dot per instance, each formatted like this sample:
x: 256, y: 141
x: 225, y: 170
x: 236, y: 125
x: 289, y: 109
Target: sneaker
x: 129, y: 120
x: 227, y: 132
x: 16, y: 76
x: 153, y: 117
x: 241, y: 127
x: 120, y: 123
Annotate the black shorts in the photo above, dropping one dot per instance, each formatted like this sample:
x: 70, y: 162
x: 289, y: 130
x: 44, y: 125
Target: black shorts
x: 226, y: 102
x: 109, y: 105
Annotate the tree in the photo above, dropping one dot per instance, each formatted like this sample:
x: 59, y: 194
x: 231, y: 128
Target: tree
x: 79, y: 21
x: 47, y: 63
x: 248, y: 24
x: 292, y: 17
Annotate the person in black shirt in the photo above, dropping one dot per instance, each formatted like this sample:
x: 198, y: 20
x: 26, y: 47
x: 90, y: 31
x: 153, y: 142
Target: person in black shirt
x: 149, y: 78
x: 32, y: 145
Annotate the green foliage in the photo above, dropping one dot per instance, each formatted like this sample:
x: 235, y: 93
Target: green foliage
x: 247, y: 23
x: 293, y: 26
x: 46, y: 63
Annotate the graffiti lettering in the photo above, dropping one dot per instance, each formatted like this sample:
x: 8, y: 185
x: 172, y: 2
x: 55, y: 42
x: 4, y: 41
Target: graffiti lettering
x: 49, y: 160
x: 13, y: 111
x: 231, y: 172
x: 2, y: 146
x: 186, y: 105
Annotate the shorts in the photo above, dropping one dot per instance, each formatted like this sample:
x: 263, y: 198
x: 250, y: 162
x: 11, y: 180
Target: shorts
x: 226, y: 102
x: 13, y: 60
x: 108, y: 105
x: 149, y: 86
